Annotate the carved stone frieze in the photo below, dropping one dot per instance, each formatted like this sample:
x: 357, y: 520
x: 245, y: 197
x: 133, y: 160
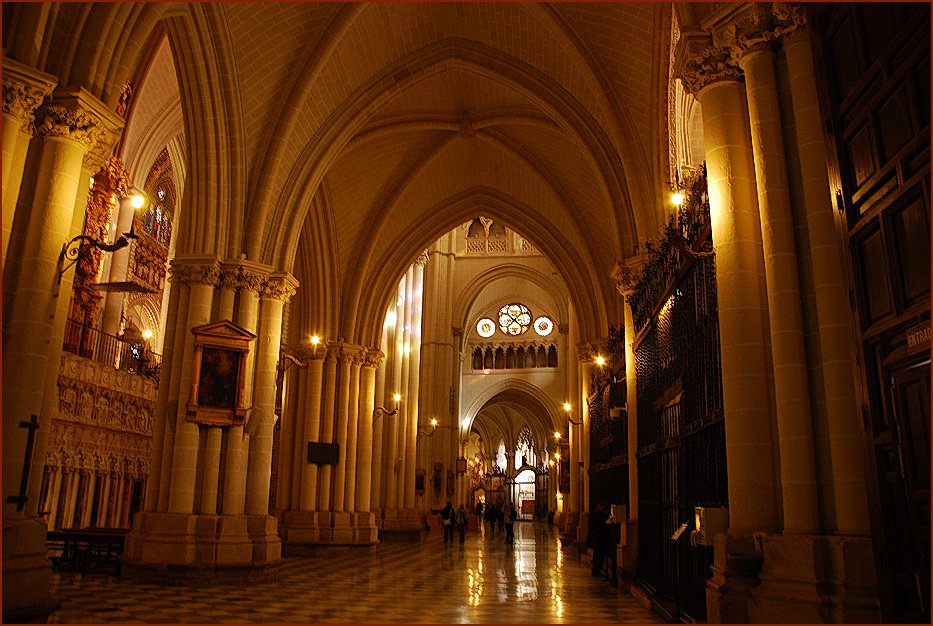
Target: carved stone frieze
x: 186, y: 272
x: 104, y: 420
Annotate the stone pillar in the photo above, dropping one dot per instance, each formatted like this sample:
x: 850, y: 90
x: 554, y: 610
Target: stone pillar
x: 32, y: 343
x: 744, y: 335
x: 710, y: 72
x: 250, y: 279
x: 211, y: 471
x: 353, y: 424
x: 788, y: 352
x: 24, y: 89
x: 55, y: 490
x: 311, y: 430
x: 278, y: 289
x: 345, y: 361
x: 364, y: 522
x: 327, y: 423
x: 405, y: 414
x: 414, y: 379
x: 832, y: 302
x: 119, y: 265
x: 377, y: 493
x: 199, y: 275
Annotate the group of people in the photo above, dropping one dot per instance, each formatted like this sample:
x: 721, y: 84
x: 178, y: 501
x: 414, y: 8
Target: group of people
x: 498, y: 515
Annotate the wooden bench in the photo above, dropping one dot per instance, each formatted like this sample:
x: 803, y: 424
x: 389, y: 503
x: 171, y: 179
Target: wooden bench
x: 86, y: 549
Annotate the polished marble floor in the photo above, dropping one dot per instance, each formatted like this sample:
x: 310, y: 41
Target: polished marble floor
x: 535, y: 580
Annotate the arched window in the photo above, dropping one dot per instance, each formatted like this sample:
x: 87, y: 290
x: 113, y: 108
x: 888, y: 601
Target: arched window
x: 478, y: 359
x: 514, y: 319
x: 510, y: 358
x: 500, y: 359
x: 542, y: 356
x: 487, y: 359
x: 520, y: 357
x: 525, y: 449
x: 552, y: 357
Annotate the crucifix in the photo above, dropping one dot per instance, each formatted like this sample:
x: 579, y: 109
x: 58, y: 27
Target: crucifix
x: 20, y: 500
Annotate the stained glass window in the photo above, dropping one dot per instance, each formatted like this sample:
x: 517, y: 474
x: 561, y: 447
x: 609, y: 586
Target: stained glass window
x: 543, y: 326
x: 485, y: 327
x: 514, y: 319
x: 158, y: 219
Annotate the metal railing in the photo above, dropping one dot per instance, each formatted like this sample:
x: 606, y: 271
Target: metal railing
x: 106, y: 349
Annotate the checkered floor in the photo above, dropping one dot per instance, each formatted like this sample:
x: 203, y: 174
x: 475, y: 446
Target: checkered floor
x: 535, y: 580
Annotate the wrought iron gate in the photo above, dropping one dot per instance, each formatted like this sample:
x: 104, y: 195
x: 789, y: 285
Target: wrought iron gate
x: 681, y: 436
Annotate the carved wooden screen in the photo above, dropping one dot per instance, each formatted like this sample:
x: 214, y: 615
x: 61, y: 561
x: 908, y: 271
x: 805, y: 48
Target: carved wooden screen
x: 681, y: 435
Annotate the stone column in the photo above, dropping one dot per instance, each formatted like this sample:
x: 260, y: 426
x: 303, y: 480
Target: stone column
x: 32, y: 344
x: 24, y: 89
x: 832, y: 302
x: 119, y: 265
x: 278, y: 289
x: 709, y: 72
x: 211, y: 471
x: 251, y: 277
x: 353, y: 424
x: 200, y: 275
x: 377, y: 493
x: 312, y: 430
x: 414, y: 379
x: 405, y: 414
x: 365, y: 527
x: 55, y: 490
x: 345, y: 360
x: 327, y: 423
x: 744, y: 337
x: 788, y: 352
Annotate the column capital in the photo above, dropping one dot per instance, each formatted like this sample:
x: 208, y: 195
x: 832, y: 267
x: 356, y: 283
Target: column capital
x: 748, y: 28
x: 244, y: 275
x: 422, y: 259
x: 78, y: 115
x: 279, y: 286
x: 24, y: 89
x: 700, y: 62
x: 195, y: 270
x: 373, y: 358
x: 588, y: 351
x: 627, y: 273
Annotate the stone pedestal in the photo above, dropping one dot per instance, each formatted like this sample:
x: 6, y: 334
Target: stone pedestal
x: 583, y: 530
x: 365, y: 532
x: 815, y: 578
x: 627, y: 556
x: 175, y: 548
x: 342, y: 531
x: 299, y: 530
x: 737, y: 559
x: 400, y: 525
x: 27, y: 574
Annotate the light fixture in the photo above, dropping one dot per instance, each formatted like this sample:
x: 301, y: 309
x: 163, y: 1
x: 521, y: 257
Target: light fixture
x: 422, y: 433
x: 600, y: 360
x: 381, y: 410
x: 147, y: 334
x: 81, y: 245
x: 677, y: 198
x: 556, y: 435
x: 570, y: 419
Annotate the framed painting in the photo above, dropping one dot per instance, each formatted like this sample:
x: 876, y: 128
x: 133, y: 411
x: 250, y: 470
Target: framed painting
x: 219, y: 374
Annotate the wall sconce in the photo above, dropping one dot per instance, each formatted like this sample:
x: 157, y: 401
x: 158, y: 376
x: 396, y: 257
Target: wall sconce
x: 381, y: 410
x: 567, y: 408
x: 422, y: 433
x: 80, y: 245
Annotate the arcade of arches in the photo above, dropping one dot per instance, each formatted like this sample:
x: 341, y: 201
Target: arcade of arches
x: 279, y: 277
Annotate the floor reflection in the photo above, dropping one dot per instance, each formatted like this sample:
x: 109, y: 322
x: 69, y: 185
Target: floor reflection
x: 535, y: 580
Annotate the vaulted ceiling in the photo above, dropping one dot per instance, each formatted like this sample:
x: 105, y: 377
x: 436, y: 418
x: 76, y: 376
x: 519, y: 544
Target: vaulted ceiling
x: 372, y: 129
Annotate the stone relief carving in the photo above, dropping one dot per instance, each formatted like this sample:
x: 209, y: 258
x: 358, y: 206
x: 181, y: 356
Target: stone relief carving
x: 21, y: 102
x: 75, y: 124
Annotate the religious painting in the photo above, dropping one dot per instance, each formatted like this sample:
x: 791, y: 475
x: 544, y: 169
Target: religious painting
x: 219, y: 374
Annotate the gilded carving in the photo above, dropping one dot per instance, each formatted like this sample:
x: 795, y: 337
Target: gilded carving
x: 251, y: 281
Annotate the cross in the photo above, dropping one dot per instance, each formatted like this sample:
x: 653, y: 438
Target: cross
x: 20, y: 500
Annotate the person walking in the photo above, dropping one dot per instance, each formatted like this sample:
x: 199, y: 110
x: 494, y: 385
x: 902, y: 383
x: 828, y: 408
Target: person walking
x: 447, y: 519
x: 461, y: 522
x: 509, y: 515
x: 491, y: 518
